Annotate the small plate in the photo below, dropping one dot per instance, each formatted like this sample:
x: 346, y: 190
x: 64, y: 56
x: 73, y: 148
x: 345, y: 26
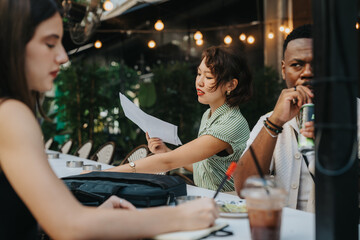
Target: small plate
x: 233, y: 215
x: 232, y: 209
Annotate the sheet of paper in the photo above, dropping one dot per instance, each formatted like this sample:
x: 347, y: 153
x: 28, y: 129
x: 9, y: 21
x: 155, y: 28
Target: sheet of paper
x: 167, y: 132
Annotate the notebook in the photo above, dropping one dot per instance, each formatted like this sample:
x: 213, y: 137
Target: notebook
x: 189, y: 235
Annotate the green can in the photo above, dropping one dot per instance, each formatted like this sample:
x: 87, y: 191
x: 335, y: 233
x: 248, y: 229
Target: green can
x: 307, y: 114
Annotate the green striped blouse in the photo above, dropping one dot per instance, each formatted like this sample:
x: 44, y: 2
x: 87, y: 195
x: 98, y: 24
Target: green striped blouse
x: 229, y: 125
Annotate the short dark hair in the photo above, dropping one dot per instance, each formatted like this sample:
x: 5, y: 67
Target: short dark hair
x: 227, y: 63
x: 304, y: 31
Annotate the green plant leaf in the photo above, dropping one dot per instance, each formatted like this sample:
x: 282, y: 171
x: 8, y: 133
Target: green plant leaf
x: 147, y: 94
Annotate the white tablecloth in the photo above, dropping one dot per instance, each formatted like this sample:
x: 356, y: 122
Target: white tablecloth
x: 296, y: 225
x: 61, y: 170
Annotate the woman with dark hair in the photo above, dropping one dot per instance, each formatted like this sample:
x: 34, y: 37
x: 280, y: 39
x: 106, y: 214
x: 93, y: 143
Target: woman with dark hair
x: 31, y: 54
x: 223, y: 82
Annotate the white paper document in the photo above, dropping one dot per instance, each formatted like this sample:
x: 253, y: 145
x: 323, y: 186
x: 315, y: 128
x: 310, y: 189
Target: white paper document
x: 167, y: 132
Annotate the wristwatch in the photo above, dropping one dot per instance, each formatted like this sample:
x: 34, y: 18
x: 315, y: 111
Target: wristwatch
x: 132, y: 165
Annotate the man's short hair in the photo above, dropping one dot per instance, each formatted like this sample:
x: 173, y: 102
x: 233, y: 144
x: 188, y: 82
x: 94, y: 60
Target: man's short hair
x: 304, y: 31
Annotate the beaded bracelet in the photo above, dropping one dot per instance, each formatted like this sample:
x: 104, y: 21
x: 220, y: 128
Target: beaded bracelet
x: 272, y: 135
x: 277, y: 131
x: 274, y: 125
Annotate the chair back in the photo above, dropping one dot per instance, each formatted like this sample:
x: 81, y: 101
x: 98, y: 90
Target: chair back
x: 188, y: 180
x: 84, y: 150
x: 48, y: 143
x: 140, y: 151
x: 105, y: 153
x: 65, y: 148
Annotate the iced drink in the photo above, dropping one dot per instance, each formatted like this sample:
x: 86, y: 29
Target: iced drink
x: 264, y: 210
x: 265, y: 223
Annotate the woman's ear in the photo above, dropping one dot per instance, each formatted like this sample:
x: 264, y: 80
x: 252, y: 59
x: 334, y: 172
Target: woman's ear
x: 231, y: 85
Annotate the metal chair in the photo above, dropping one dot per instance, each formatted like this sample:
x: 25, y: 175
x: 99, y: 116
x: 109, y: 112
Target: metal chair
x: 140, y: 151
x: 48, y: 143
x: 65, y: 148
x: 84, y: 150
x: 105, y: 153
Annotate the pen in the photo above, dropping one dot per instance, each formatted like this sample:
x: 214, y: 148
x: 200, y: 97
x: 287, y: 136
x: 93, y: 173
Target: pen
x: 228, y: 174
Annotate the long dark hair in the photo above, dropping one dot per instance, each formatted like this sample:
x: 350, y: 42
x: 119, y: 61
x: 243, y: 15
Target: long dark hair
x: 18, y: 21
x: 227, y: 63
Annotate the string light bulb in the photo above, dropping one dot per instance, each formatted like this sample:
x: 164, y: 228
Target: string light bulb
x: 357, y: 25
x: 282, y: 28
x: 151, y: 44
x: 199, y: 42
x: 227, y: 39
x: 287, y: 30
x: 198, y: 35
x: 108, y: 5
x: 159, y: 25
x: 242, y: 37
x: 98, y: 44
x: 271, y: 34
x: 250, y: 39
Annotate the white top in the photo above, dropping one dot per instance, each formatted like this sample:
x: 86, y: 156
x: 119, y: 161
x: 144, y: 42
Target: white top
x: 289, y: 167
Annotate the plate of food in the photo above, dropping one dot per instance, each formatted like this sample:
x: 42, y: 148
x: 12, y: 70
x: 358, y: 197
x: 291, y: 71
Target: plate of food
x: 235, y: 209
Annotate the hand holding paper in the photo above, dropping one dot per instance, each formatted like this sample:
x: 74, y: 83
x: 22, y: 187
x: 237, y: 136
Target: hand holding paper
x: 167, y: 132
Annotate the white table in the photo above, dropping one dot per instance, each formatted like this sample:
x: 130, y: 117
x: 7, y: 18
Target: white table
x: 296, y: 225
x: 61, y: 170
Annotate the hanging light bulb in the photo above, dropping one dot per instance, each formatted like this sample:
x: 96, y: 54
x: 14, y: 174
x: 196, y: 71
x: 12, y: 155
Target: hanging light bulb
x: 271, y: 35
x: 199, y: 42
x: 357, y: 25
x: 98, y: 44
x: 250, y: 39
x: 282, y: 28
x: 227, y: 39
x: 242, y: 37
x: 198, y: 35
x: 159, y: 25
x: 108, y: 5
x: 151, y: 44
x: 287, y: 30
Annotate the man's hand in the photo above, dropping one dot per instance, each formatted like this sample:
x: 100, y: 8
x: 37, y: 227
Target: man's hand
x: 309, y: 130
x: 289, y: 104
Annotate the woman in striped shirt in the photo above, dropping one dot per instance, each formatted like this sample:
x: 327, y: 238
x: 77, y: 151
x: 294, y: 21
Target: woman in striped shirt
x: 223, y: 82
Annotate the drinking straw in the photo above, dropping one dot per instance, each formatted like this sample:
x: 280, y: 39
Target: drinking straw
x: 228, y: 174
x: 259, y: 169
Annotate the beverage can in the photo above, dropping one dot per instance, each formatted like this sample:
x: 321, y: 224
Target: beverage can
x: 307, y: 114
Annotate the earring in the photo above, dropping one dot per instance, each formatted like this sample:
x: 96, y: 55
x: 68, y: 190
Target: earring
x: 228, y: 92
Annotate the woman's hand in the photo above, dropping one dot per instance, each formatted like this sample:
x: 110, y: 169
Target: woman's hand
x: 289, y: 104
x: 156, y: 145
x: 198, y: 214
x: 116, y: 202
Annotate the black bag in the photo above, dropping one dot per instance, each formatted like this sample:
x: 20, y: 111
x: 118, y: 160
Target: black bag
x: 142, y: 190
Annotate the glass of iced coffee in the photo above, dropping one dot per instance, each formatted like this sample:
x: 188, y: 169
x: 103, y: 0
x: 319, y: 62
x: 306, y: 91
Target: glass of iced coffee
x: 264, y: 202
